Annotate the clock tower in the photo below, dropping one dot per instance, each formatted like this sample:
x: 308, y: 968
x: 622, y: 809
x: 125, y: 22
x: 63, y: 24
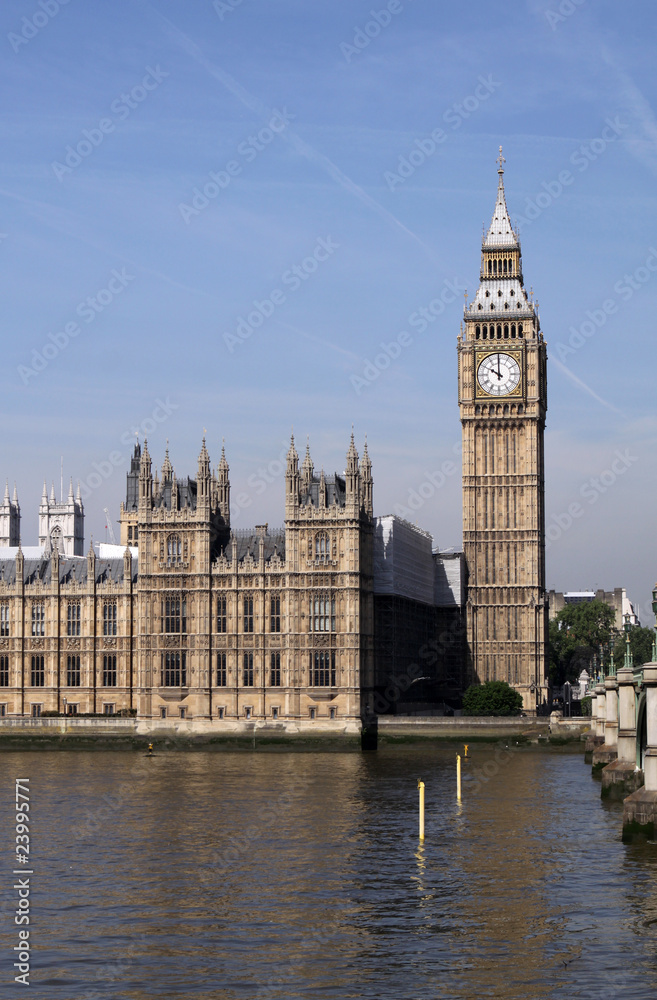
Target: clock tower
x: 503, y: 400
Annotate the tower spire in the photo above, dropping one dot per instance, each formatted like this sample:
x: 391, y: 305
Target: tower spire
x: 500, y: 232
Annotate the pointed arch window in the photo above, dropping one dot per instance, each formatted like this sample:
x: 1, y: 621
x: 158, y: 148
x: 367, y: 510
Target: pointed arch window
x: 174, y: 550
x: 322, y: 547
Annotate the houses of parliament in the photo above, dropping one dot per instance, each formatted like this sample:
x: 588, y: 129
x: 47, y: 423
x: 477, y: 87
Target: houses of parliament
x: 335, y: 617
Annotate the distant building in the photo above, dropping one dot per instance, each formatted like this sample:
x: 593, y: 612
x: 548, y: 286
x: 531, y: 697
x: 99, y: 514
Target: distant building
x: 61, y: 525
x: 616, y: 599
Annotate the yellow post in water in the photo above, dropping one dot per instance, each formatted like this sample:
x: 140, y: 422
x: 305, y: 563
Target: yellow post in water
x: 458, y: 777
x: 465, y: 747
x: 420, y: 785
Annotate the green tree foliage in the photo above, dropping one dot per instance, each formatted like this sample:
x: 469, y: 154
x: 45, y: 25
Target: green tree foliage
x: 491, y: 698
x: 641, y: 640
x: 578, y: 638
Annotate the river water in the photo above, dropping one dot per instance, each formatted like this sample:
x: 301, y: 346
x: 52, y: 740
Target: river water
x: 267, y: 875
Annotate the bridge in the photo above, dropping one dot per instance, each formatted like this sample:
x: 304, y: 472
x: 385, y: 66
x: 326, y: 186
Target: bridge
x: 623, y: 743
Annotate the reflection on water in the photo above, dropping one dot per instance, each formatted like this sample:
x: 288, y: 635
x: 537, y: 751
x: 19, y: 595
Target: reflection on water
x: 284, y: 875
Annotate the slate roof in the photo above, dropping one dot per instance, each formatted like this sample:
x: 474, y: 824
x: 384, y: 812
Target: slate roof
x: 336, y: 491
x: 72, y: 569
x: 247, y: 542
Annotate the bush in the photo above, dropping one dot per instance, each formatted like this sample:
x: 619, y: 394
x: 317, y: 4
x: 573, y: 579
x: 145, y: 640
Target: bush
x: 491, y: 698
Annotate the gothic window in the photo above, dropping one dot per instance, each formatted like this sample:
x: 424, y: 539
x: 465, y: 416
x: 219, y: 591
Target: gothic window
x: 275, y: 614
x: 477, y: 332
x: 322, y: 547
x: 4, y: 618
x: 73, y: 671
x: 109, y: 617
x: 490, y: 267
x: 499, y: 331
x: 505, y: 265
x: 247, y: 672
x: 322, y: 613
x: 221, y: 615
x: 38, y: 618
x: 174, y: 550
x: 275, y: 672
x: 174, y: 615
x: 506, y: 331
x: 109, y: 670
x: 494, y: 267
x: 248, y: 614
x: 4, y: 671
x: 37, y: 672
x: 221, y: 670
x: 174, y: 669
x: 56, y: 539
x: 520, y: 329
x: 322, y: 668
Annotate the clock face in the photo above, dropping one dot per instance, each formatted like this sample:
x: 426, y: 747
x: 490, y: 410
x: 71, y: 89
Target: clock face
x: 498, y: 374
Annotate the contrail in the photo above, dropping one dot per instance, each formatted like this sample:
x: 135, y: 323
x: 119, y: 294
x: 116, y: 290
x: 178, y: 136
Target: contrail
x: 298, y: 144
x: 585, y: 387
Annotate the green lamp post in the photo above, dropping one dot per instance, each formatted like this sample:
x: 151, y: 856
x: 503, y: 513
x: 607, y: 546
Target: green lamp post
x: 629, y: 659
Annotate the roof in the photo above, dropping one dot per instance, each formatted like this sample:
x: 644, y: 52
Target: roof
x: 247, y: 543
x: 500, y: 232
x: 336, y: 491
x: 72, y: 569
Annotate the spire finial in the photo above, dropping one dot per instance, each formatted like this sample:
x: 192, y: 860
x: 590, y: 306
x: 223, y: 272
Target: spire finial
x: 501, y: 161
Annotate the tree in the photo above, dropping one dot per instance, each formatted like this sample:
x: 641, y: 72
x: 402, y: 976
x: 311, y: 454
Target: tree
x: 578, y: 637
x: 641, y: 640
x: 491, y: 698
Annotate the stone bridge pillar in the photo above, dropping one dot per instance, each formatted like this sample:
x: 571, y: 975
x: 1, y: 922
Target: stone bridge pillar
x: 611, y: 712
x: 608, y: 751
x: 627, y: 716
x: 597, y: 733
x: 640, y: 808
x: 601, y: 711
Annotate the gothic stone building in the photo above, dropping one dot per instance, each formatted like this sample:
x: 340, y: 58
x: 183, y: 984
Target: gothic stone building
x: 215, y: 623
x: 502, y: 376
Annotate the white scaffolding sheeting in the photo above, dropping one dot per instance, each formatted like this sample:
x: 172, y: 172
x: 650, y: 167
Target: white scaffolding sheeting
x: 448, y: 579
x: 403, y: 560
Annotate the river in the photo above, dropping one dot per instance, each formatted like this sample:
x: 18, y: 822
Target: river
x: 267, y: 875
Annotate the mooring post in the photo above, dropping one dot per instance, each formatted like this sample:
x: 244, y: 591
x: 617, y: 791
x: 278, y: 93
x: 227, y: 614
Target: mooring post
x: 458, y: 777
x: 420, y: 785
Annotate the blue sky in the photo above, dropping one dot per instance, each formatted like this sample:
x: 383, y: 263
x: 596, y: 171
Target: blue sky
x: 307, y: 115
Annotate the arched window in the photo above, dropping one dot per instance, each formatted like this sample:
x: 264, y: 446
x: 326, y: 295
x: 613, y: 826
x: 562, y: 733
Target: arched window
x: 478, y: 332
x: 499, y: 331
x: 520, y: 329
x: 494, y: 267
x: 505, y: 263
x: 513, y: 331
x: 174, y: 550
x: 322, y: 547
x: 174, y: 615
x: 490, y: 267
x: 506, y: 331
x: 511, y: 267
x: 322, y: 613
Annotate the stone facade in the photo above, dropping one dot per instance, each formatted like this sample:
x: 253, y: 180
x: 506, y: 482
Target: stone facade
x: 216, y: 624
x: 503, y: 401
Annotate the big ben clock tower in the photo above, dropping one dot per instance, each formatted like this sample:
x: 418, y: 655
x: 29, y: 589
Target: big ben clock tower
x: 503, y: 400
